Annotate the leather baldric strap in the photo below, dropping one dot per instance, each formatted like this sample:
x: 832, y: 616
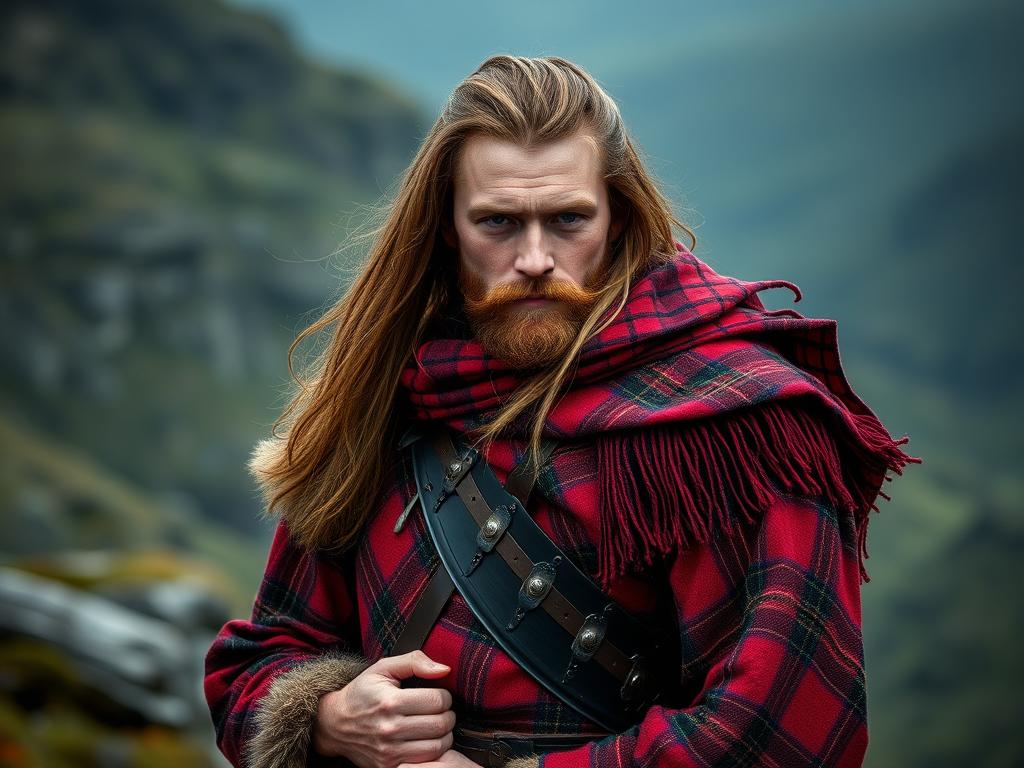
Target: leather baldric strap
x: 424, y: 615
x: 545, y: 613
x: 440, y: 587
x: 555, y: 603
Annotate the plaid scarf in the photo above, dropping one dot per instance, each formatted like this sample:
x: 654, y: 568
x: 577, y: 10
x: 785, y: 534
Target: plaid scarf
x: 702, y: 405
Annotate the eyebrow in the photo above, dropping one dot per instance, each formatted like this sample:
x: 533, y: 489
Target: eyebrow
x: 511, y: 205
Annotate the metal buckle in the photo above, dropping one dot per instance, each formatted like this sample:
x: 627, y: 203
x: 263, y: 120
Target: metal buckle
x: 534, y: 589
x: 490, y: 532
x: 586, y: 642
x: 453, y: 474
x: 635, y: 685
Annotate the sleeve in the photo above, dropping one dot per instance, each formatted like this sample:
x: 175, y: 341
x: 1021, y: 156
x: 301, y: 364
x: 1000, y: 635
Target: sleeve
x: 264, y: 677
x: 770, y: 622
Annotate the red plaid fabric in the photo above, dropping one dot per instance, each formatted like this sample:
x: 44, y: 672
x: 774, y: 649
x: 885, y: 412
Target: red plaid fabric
x: 772, y: 668
x: 702, y: 405
x: 767, y: 606
x: 680, y: 306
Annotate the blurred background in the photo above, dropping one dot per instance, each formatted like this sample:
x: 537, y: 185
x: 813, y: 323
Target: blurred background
x: 179, y: 175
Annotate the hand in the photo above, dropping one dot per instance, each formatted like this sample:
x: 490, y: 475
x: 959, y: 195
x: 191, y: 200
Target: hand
x: 450, y: 759
x: 376, y: 723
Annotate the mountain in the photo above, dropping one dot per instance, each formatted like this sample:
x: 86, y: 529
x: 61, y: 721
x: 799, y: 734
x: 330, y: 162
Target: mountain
x: 172, y: 170
x: 177, y: 179
x: 178, y: 176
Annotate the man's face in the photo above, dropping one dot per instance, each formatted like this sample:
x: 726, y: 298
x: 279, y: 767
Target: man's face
x: 532, y: 228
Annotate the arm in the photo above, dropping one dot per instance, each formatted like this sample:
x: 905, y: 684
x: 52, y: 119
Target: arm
x: 264, y: 677
x: 776, y: 613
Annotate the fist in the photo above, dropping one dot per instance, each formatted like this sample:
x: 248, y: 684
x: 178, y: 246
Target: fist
x: 376, y: 723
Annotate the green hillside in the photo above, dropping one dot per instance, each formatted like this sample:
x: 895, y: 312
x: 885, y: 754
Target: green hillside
x: 176, y: 176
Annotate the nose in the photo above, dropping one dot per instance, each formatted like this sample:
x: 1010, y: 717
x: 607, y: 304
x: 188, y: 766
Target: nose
x: 533, y: 257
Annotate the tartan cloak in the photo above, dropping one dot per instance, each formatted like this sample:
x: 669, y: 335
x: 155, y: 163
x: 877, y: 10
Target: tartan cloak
x: 714, y: 466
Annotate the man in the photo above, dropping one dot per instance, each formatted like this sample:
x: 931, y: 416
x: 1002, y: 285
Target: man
x: 703, y: 461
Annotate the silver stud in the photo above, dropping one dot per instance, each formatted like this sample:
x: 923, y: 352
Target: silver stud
x: 490, y: 527
x: 535, y: 587
x: 588, y: 640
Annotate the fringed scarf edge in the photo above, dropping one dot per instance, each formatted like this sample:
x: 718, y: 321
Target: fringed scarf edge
x: 671, y: 487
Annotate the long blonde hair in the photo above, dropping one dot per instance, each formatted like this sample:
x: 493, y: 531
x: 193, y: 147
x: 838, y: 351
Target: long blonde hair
x: 327, y: 470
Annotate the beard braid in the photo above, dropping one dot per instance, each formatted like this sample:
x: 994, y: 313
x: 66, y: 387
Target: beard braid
x: 530, y: 337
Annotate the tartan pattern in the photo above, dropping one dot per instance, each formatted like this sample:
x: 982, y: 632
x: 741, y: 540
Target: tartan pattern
x: 303, y: 608
x: 689, y: 343
x: 768, y: 612
x: 769, y: 625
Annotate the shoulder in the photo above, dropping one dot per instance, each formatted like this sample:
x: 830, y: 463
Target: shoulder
x: 680, y: 484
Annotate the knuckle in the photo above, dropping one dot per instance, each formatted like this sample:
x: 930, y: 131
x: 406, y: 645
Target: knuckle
x: 437, y: 747
x: 440, y: 726
x: 387, y: 704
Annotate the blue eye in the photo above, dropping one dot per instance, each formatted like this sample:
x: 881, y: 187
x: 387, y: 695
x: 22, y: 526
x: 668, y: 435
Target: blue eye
x: 577, y: 216
x: 490, y: 219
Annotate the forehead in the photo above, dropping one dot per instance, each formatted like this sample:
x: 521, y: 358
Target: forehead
x: 492, y: 169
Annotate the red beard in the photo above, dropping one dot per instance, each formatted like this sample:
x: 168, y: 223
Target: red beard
x: 527, y: 336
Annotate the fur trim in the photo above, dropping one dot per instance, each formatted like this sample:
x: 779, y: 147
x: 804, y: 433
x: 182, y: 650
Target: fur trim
x: 284, y: 716
x: 266, y: 454
x: 530, y: 761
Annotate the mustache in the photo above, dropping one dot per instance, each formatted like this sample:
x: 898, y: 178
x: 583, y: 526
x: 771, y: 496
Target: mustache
x: 556, y: 290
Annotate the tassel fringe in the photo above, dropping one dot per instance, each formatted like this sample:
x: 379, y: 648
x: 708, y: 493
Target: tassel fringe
x: 674, y: 486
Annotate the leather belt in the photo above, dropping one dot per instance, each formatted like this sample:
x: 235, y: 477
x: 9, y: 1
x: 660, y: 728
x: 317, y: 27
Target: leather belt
x: 557, y: 605
x: 439, y: 589
x: 493, y: 749
x: 579, y: 644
